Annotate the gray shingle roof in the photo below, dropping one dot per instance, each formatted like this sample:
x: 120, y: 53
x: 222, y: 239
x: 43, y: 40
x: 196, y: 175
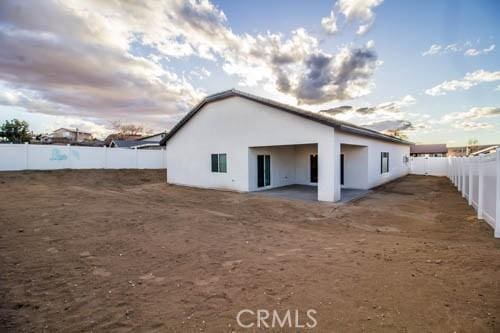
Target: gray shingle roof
x: 132, y: 144
x: 429, y: 149
x: 326, y: 120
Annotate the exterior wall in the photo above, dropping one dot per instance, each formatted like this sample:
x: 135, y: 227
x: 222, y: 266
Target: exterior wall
x: 233, y: 126
x: 398, y: 167
x: 355, y: 166
x: 282, y: 166
x: 289, y: 165
x: 302, y: 164
x: 242, y: 129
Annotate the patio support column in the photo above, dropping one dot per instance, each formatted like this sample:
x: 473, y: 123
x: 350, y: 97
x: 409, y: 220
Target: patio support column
x: 327, y: 166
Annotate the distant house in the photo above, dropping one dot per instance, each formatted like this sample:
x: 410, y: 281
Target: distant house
x: 120, y: 136
x: 432, y: 150
x: 487, y: 150
x: 469, y: 150
x: 66, y: 136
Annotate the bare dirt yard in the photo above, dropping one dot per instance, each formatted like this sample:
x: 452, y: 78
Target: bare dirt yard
x: 85, y: 251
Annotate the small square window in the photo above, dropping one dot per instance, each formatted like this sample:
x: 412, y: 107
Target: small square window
x: 384, y: 162
x: 215, y: 163
x: 219, y: 163
x: 222, y: 163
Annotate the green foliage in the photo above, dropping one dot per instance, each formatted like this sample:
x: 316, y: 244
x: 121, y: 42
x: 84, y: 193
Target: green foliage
x: 472, y: 142
x: 15, y: 131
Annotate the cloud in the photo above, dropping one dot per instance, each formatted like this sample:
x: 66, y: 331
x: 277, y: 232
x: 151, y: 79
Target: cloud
x: 390, y: 126
x: 386, y: 108
x: 339, y: 77
x: 360, y: 11
x: 200, y: 73
x: 470, y: 80
x: 108, y: 60
x: 469, y: 120
x: 475, y: 52
x: 436, y: 49
x: 68, y: 60
x: 472, y: 126
x: 338, y: 110
x: 329, y: 23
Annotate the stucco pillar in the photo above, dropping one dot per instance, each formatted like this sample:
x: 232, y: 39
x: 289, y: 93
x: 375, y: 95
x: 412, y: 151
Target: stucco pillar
x: 327, y: 168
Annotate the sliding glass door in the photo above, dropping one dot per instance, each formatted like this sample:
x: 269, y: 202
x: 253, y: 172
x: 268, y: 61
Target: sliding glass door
x: 263, y: 170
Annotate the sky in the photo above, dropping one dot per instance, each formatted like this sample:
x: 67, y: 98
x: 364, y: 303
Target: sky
x: 430, y: 69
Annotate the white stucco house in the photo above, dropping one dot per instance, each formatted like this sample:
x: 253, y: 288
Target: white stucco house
x: 237, y: 141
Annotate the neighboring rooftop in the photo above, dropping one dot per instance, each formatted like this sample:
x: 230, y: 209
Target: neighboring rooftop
x: 162, y: 134
x: 72, y: 130
x: 429, y: 149
x: 133, y: 143
x: 326, y: 120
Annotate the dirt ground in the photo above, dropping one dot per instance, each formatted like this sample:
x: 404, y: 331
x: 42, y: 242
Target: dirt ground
x: 124, y: 251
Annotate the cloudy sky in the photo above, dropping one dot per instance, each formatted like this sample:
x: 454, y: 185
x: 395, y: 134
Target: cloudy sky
x: 431, y: 68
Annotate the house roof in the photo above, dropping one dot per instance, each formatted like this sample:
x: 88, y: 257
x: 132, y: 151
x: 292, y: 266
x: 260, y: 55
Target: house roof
x: 429, y: 149
x: 325, y: 120
x: 152, y: 135
x: 119, y: 136
x: 72, y: 131
x: 485, y: 150
x: 133, y: 144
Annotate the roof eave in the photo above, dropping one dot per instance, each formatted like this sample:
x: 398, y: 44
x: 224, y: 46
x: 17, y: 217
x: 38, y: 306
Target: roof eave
x: 231, y: 93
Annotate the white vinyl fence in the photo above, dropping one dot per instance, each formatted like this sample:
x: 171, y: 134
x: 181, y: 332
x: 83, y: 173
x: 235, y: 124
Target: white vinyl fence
x: 478, y: 178
x: 52, y: 157
x: 431, y: 166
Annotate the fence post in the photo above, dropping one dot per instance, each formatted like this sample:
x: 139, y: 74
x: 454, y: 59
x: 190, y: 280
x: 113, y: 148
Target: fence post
x: 448, y: 167
x: 464, y: 173
x: 455, y: 177
x: 136, y: 158
x: 27, y: 154
x: 105, y: 157
x: 497, y: 217
x: 480, y: 189
x: 460, y: 179
x: 69, y: 163
x: 453, y: 168
x: 471, y: 182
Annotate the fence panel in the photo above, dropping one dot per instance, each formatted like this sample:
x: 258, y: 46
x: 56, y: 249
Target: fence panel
x: 51, y: 157
x: 13, y: 157
x: 489, y: 208
x: 478, y: 178
x: 431, y: 166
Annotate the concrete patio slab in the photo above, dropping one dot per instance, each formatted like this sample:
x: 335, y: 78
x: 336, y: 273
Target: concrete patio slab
x: 310, y: 193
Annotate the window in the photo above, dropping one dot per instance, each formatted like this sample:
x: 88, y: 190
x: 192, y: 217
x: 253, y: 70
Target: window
x: 219, y: 163
x: 384, y: 162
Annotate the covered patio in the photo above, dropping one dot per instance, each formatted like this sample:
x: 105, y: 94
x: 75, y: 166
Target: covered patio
x: 310, y: 193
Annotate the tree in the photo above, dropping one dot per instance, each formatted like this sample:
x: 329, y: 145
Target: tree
x: 472, y: 142
x: 470, y: 145
x: 128, y: 129
x: 399, y: 134
x: 15, y: 130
